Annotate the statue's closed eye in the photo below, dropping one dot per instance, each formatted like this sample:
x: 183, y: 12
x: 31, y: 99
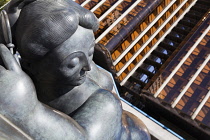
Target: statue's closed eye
x: 73, y: 62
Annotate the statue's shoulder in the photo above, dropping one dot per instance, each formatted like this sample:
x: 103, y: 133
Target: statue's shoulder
x: 92, y: 91
x: 93, y: 87
x: 107, y: 98
x: 100, y: 76
x: 88, y: 86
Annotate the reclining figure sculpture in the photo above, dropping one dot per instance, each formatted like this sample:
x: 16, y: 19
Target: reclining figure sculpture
x: 56, y: 42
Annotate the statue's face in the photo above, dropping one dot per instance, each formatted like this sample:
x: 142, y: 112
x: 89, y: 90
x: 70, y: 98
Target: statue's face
x: 69, y: 62
x: 80, y: 48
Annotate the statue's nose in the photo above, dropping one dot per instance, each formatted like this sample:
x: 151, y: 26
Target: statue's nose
x: 87, y: 67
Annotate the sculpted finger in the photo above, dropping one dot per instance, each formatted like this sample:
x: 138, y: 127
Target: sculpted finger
x: 8, y: 59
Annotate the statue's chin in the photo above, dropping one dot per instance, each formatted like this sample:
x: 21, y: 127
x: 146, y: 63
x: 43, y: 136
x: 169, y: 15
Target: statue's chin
x: 77, y: 82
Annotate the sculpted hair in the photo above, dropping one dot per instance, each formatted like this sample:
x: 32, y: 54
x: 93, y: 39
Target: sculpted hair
x: 44, y: 25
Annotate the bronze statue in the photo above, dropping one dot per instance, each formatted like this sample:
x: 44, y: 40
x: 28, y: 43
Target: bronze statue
x: 56, y: 42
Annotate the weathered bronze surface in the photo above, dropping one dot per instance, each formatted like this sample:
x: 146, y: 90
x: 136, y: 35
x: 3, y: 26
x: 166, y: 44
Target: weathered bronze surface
x: 56, y: 42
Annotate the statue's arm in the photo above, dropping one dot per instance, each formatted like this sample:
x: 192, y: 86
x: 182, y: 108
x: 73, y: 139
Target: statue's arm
x: 19, y: 104
x: 102, y: 117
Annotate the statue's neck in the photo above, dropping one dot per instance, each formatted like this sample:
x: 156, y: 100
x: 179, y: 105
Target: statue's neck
x: 48, y: 91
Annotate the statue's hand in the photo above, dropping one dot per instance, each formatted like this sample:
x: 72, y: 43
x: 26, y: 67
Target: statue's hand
x: 15, y: 87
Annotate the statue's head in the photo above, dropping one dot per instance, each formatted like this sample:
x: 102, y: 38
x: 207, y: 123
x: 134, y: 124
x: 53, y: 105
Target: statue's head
x: 53, y: 43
